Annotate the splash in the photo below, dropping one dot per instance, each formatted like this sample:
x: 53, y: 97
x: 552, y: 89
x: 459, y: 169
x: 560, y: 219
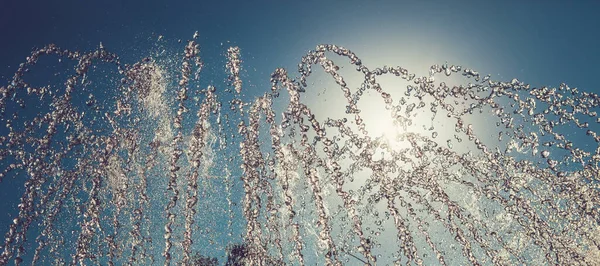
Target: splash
x: 145, y: 165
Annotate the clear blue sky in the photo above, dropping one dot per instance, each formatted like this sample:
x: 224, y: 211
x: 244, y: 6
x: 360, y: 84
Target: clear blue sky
x: 540, y: 41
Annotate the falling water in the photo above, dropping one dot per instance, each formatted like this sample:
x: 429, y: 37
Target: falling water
x: 144, y: 164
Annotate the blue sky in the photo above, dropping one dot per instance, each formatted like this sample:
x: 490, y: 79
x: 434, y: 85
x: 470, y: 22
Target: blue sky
x: 539, y: 42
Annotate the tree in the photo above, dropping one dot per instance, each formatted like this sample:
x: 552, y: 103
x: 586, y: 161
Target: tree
x: 200, y: 260
x: 237, y: 255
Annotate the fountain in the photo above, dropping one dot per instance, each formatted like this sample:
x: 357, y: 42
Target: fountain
x: 140, y: 164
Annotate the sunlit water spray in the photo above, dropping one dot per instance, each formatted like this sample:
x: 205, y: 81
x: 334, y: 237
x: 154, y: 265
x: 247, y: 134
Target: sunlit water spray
x: 145, y: 166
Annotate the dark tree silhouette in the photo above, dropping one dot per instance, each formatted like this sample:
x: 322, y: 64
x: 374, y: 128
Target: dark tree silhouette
x: 239, y: 254
x: 236, y: 255
x: 200, y: 260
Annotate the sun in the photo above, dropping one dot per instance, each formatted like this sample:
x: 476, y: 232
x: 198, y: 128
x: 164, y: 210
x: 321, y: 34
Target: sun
x: 386, y: 125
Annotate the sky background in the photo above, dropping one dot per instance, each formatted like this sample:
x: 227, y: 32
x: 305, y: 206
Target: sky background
x: 539, y: 42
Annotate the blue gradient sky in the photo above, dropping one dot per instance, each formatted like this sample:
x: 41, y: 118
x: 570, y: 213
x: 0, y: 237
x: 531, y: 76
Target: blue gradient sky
x: 539, y: 41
